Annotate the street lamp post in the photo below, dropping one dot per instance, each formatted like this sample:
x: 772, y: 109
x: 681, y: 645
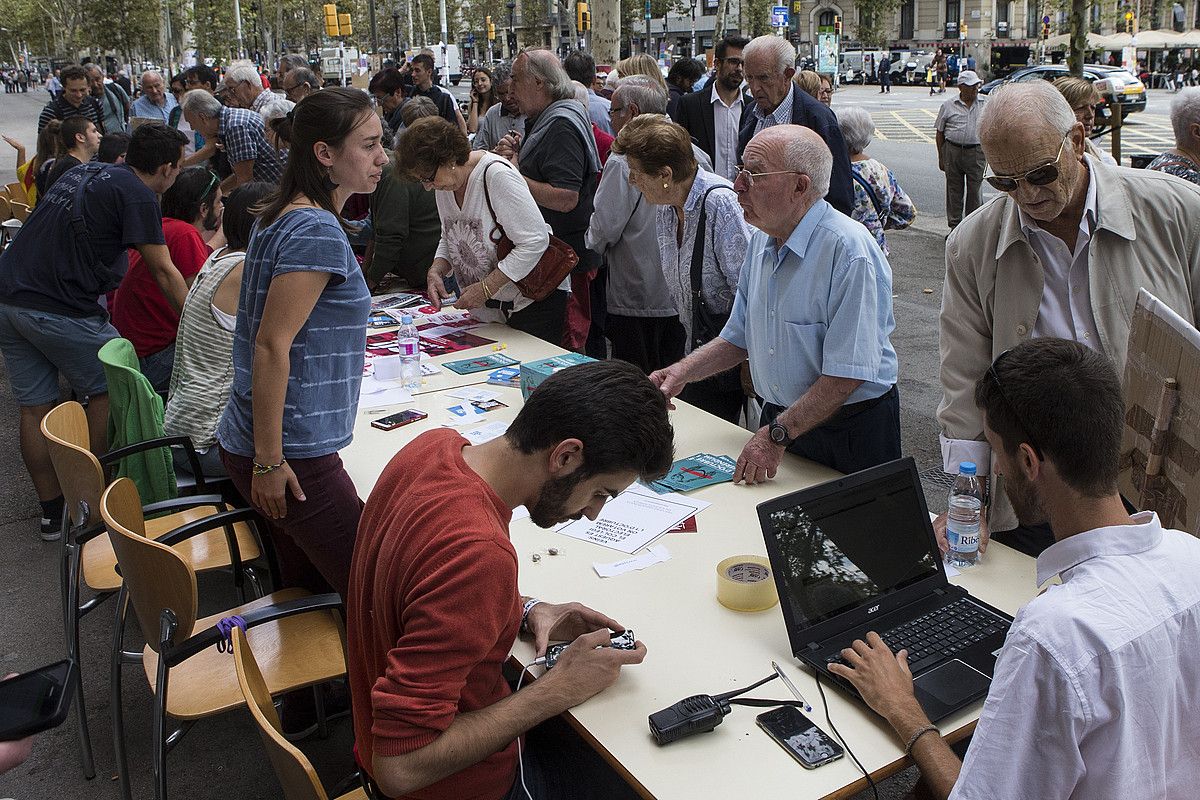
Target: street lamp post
x: 693, y: 53
x: 512, y: 30
x: 237, y: 15
x: 396, y: 34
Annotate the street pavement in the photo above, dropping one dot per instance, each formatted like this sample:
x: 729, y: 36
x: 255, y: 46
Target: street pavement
x: 223, y: 758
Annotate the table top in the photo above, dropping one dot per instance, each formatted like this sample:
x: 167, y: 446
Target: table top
x: 695, y: 645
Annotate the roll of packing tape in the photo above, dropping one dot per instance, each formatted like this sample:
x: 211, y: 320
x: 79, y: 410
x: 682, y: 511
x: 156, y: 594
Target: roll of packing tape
x: 744, y: 583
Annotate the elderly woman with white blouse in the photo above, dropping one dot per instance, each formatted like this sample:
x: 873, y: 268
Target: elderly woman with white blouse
x: 663, y: 168
x: 437, y: 154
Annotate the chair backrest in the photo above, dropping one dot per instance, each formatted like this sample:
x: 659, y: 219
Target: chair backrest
x: 5, y: 208
x: 156, y: 577
x: 292, y: 767
x: 79, y: 472
x: 17, y: 192
x: 19, y: 210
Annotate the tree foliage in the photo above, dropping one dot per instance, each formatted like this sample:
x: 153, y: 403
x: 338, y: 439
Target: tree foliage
x: 875, y: 18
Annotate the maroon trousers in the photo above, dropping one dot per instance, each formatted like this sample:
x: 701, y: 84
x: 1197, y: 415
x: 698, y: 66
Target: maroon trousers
x: 315, y: 541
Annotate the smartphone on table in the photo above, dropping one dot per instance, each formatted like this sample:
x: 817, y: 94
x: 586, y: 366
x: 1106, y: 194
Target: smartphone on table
x: 796, y: 734
x: 393, y: 421
x: 36, y: 701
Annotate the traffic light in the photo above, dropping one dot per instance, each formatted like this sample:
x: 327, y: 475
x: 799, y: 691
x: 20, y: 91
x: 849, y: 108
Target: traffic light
x: 491, y: 29
x: 1046, y: 27
x: 583, y: 18
x: 837, y: 26
x: 344, y: 26
x: 331, y: 20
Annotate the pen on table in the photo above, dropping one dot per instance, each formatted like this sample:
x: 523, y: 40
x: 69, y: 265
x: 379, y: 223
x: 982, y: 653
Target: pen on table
x: 791, y: 686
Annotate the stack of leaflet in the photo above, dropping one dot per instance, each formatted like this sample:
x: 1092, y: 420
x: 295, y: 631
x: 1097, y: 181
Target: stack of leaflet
x: 695, y: 472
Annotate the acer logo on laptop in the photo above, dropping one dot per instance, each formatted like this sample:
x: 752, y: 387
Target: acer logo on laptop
x: 872, y: 609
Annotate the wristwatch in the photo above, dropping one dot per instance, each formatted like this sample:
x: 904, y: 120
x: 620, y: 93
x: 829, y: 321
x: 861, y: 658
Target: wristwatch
x: 779, y: 434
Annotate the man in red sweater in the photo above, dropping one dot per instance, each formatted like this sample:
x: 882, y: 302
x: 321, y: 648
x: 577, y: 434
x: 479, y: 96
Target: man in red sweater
x: 433, y: 607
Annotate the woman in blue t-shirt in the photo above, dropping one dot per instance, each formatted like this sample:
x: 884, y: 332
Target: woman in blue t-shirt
x: 300, y: 340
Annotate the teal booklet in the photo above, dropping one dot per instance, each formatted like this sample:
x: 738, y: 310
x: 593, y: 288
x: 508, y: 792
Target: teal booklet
x: 490, y: 361
x: 695, y: 472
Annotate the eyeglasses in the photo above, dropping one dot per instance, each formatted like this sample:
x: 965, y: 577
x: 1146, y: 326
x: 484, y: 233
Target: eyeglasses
x: 748, y: 176
x: 1047, y: 173
x: 614, y: 110
x: 429, y: 180
x: 995, y: 376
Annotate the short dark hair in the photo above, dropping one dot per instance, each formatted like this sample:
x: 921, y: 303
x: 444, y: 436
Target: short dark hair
x: 153, y: 145
x: 610, y: 406
x: 112, y: 147
x: 72, y: 72
x: 1063, y: 399
x: 192, y: 188
x: 685, y: 72
x: 425, y: 60
x: 180, y: 78
x: 580, y: 66
x: 72, y: 127
x: 429, y: 143
x: 304, y: 75
x: 736, y: 42
x: 386, y: 82
x: 202, y: 73
x: 238, y: 217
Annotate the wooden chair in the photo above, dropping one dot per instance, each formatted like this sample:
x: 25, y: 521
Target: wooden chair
x: 190, y: 678
x: 87, y: 552
x: 19, y: 211
x: 17, y: 192
x: 5, y: 209
x: 293, y: 769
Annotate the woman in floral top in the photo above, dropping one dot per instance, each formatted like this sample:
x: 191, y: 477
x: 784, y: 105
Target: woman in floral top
x: 437, y: 154
x: 663, y: 168
x: 879, y: 202
x: 1184, y: 159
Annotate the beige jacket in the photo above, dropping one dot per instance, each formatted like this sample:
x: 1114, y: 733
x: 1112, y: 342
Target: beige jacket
x: 1147, y: 235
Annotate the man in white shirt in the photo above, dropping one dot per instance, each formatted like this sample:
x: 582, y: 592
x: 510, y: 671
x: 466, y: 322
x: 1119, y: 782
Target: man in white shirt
x: 712, y: 115
x: 1095, y: 690
x: 1063, y: 252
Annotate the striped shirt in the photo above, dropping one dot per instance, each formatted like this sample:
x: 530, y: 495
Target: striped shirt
x: 326, y: 358
x: 203, y: 370
x: 59, y: 108
x: 241, y: 132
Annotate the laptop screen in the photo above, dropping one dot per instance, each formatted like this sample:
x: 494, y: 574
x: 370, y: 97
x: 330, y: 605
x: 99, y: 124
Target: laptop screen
x: 851, y: 547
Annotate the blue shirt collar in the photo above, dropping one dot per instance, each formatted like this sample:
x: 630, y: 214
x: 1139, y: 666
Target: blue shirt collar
x: 797, y: 241
x: 1115, y: 540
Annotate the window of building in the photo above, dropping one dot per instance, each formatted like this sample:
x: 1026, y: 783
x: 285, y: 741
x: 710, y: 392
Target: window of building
x: 1095, y: 27
x: 826, y: 19
x: 908, y: 14
x: 952, y: 19
x: 1032, y: 20
x: 709, y: 8
x: 1002, y: 15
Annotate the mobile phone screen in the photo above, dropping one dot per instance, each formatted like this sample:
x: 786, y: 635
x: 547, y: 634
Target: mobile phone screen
x: 795, y: 733
x: 393, y: 421
x: 34, y: 701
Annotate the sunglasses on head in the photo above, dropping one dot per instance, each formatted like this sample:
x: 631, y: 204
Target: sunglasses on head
x: 1047, y: 173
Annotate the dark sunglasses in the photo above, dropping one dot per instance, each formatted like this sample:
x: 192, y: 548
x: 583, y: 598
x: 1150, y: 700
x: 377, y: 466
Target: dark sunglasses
x: 1047, y: 173
x: 995, y: 376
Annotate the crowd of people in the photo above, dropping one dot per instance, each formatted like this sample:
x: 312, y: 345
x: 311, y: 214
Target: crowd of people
x: 730, y: 236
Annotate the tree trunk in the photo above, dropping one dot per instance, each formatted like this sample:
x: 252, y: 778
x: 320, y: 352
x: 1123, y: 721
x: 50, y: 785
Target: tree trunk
x: 1079, y: 31
x: 606, y: 31
x: 719, y: 23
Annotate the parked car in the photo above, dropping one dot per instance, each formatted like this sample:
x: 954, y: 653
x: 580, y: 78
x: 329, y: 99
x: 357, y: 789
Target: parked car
x: 1128, y: 92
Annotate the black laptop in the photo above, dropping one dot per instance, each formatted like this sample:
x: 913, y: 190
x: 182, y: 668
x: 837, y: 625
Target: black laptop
x: 858, y: 554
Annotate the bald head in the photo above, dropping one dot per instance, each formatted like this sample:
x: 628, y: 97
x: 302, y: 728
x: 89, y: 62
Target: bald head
x: 153, y: 87
x: 1015, y: 109
x: 801, y: 163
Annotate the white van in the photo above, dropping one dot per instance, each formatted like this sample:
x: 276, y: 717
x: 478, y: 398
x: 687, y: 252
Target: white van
x: 448, y: 53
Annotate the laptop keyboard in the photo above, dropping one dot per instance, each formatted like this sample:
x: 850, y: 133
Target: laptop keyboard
x: 939, y: 634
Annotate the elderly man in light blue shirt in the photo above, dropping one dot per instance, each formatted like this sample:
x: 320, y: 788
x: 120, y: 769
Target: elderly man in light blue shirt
x: 813, y: 313
x: 155, y: 103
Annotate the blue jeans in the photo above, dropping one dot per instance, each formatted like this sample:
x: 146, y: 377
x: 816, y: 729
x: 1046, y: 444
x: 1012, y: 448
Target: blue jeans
x: 157, y: 368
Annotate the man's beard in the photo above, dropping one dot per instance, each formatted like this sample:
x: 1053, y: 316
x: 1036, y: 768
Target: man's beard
x: 210, y: 221
x: 1025, y: 499
x: 550, y: 508
x: 730, y: 82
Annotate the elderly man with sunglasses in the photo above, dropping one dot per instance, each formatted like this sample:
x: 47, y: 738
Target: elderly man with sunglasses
x: 812, y: 313
x: 1062, y: 252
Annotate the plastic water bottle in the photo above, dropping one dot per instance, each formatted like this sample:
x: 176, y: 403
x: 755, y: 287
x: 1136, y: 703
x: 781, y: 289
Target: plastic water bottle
x: 962, y: 523
x: 410, y: 354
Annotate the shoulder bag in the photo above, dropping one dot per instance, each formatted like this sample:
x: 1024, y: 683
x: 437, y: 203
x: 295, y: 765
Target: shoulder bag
x: 552, y: 268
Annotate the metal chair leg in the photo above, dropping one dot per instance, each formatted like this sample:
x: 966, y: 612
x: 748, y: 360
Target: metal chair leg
x: 167, y: 626
x: 319, y: 703
x: 85, y: 739
x: 115, y: 703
